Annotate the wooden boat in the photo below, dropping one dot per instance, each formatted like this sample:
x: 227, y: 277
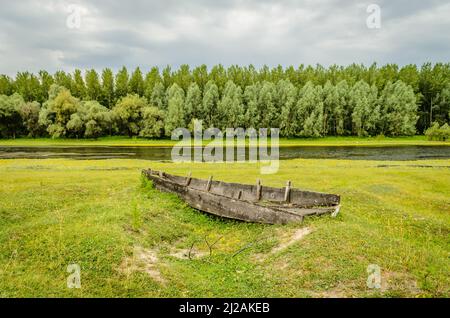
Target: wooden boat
x: 251, y: 203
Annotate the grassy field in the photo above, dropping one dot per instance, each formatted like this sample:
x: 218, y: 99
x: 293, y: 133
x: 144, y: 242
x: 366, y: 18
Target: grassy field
x: 133, y: 241
x: 125, y: 141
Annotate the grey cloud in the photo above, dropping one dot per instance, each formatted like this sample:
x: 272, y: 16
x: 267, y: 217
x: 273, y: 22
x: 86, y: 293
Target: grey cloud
x: 34, y: 34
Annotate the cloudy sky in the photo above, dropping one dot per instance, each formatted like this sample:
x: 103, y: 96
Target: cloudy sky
x: 45, y: 34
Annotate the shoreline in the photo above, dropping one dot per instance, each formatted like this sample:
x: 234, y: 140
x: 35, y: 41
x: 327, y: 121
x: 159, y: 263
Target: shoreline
x: 283, y: 142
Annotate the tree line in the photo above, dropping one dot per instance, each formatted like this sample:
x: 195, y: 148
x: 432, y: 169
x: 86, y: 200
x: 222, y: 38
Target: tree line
x: 304, y: 101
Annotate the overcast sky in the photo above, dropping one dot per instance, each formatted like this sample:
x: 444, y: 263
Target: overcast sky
x: 44, y: 34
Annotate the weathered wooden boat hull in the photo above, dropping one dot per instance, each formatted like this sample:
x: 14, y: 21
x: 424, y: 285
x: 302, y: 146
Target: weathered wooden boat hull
x: 245, y: 202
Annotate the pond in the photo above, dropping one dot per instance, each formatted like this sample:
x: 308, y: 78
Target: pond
x: 164, y: 153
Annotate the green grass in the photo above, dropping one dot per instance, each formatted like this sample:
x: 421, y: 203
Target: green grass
x: 101, y: 215
x: 125, y: 141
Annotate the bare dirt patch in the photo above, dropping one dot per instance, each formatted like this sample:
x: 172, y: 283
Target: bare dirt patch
x: 294, y: 238
x: 391, y: 281
x: 332, y: 293
x: 187, y: 253
x: 286, y: 241
x: 142, y: 260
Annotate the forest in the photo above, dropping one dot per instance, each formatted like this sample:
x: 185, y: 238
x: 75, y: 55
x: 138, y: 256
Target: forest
x: 307, y: 101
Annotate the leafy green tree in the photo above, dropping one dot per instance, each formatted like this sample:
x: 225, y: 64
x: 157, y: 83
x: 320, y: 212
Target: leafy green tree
x: 75, y: 126
x: 136, y: 85
x: 151, y: 79
x: 409, y: 74
x: 128, y: 113
x: 433, y: 78
x: 108, y: 97
x: 310, y: 111
x: 388, y: 73
x: 10, y: 120
x: 218, y: 76
x: 267, y: 98
x: 267, y: 105
x: 230, y: 110
x: 167, y: 78
x: 209, y: 104
x: 200, y: 76
x: 438, y: 133
x: 441, y: 110
x: 57, y: 111
x: 27, y: 85
x: 122, y: 79
x: 366, y: 111
x: 183, y: 77
x: 398, y: 109
x: 342, y: 111
x: 175, y: 109
x: 29, y: 112
x: 330, y: 102
x: 6, y: 85
x: 64, y: 79
x: 94, y: 118
x: 287, y: 99
x: 98, y: 121
x: 193, y: 102
x: 46, y: 81
x: 252, y: 111
x: 93, y: 87
x: 152, y: 125
x: 79, y: 87
x: 158, y: 96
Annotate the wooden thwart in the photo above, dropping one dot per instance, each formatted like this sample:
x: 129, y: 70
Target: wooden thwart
x: 287, y: 191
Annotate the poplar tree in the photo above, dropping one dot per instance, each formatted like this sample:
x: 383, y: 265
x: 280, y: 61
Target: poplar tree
x: 252, y: 112
x: 200, y: 76
x: 175, y: 109
x: 442, y: 108
x: 398, y: 109
x: 230, y: 111
x: 342, y: 111
x: 27, y: 85
x: 78, y: 87
x: 136, y: 84
x: 46, y: 81
x: 183, y: 77
x: 209, y: 104
x: 122, y: 83
x: 93, y: 87
x: 64, y: 79
x: 337, y: 100
x: 365, y: 109
x: 287, y: 98
x: 269, y: 114
x: 193, y: 102
x: 330, y: 104
x: 108, y: 98
x: 158, y: 96
x: 6, y: 85
x: 310, y: 111
x: 151, y: 79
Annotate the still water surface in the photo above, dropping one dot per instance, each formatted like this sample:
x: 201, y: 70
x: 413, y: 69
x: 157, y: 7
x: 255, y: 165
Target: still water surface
x: 164, y: 153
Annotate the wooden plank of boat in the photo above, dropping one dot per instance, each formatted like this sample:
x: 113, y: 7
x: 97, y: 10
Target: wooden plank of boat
x: 246, y: 202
